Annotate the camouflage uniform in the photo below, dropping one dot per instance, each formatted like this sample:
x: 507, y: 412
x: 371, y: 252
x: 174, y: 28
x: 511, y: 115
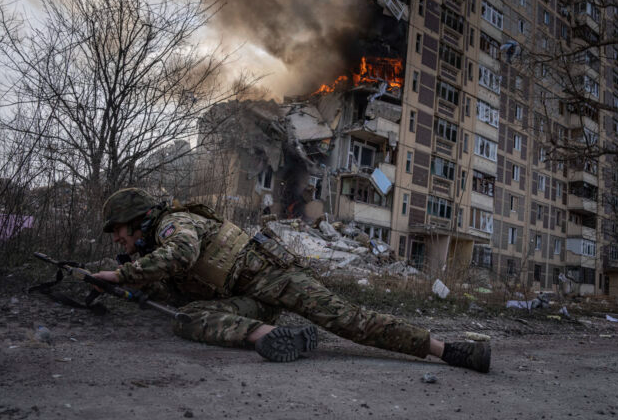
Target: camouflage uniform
x: 262, y: 280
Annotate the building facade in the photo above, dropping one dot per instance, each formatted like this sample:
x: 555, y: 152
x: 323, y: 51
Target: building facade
x: 477, y: 179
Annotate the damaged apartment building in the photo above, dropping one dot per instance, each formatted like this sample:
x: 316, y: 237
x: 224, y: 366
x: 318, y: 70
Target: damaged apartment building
x: 332, y: 151
x: 448, y: 167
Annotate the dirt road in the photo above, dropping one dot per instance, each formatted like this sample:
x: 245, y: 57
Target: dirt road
x: 128, y: 364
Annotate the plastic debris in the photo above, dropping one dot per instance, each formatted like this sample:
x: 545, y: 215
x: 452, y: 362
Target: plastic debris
x: 363, y: 282
x: 605, y: 335
x: 469, y: 296
x: 519, y: 304
x: 611, y: 318
x: 483, y: 290
x: 556, y: 317
x: 440, y: 289
x: 430, y: 378
x: 328, y: 230
x: 476, y: 336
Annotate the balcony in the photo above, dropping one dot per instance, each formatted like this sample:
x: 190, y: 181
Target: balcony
x: 584, y: 176
x: 484, y: 165
x: 610, y: 265
x: 580, y: 231
x: 378, y: 130
x: 364, y: 213
x: 581, y: 204
x: 580, y: 260
x: 482, y: 201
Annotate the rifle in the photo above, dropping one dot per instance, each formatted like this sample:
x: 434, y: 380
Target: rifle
x: 107, y: 287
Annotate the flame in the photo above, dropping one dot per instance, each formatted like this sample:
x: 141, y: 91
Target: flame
x: 371, y: 70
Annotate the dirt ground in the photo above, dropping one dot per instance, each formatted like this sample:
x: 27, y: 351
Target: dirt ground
x: 128, y: 364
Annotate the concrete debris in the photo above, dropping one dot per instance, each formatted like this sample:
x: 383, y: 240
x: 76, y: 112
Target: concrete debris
x: 440, y: 289
x: 363, y: 282
x: 381, y: 181
x: 519, y: 304
x: 429, y: 378
x: 476, y: 336
x: 379, y: 248
x: 328, y: 230
x: 401, y: 268
x: 347, y: 261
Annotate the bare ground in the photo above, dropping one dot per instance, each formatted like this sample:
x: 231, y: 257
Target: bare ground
x: 128, y: 364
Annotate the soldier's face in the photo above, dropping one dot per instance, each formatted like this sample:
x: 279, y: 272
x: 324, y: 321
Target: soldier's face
x: 121, y: 236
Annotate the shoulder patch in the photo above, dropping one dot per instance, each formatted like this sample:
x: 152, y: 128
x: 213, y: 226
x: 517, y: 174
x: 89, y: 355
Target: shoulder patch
x: 167, y: 231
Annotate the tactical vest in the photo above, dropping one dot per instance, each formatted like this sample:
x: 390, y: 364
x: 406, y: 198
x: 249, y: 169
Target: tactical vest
x: 218, y: 256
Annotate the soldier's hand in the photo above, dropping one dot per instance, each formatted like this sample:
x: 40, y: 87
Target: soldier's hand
x: 109, y: 276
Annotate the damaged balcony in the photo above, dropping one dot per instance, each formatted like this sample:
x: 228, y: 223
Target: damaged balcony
x: 379, y: 123
x: 582, y: 198
x: 366, y: 199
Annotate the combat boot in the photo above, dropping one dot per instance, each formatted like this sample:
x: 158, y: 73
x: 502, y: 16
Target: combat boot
x: 475, y: 355
x: 284, y: 344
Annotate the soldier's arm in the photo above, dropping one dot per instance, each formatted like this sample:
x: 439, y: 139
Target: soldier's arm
x: 179, y: 248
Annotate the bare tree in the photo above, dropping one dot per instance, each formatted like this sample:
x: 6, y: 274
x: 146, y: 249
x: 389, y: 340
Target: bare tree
x: 104, y: 83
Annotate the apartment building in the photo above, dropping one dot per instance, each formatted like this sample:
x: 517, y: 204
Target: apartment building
x: 475, y: 181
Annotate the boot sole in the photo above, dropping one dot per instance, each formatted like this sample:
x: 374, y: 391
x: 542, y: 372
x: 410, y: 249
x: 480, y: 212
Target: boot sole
x: 284, y: 344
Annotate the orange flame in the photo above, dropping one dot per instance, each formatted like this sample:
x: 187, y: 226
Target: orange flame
x: 371, y: 70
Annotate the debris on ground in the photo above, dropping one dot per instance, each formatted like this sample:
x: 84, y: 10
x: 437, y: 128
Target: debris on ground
x: 469, y: 335
x: 440, y: 289
x: 42, y: 335
x: 430, y: 378
x: 611, y: 318
x: 565, y: 312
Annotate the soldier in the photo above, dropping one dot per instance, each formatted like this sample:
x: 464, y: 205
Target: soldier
x: 234, y: 287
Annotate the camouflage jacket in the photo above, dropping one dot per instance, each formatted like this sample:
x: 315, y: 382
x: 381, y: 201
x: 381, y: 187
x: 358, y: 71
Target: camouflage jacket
x: 188, y: 256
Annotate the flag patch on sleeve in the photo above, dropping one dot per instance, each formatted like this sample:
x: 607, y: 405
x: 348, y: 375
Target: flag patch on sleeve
x: 167, y: 231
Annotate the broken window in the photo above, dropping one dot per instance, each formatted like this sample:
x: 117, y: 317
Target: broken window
x: 483, y: 183
x: 489, y: 79
x: 361, y: 155
x: 481, y: 256
x: 445, y: 129
x: 265, y: 179
x: 491, y: 14
x: 489, y: 45
x: 452, y: 20
x: 486, y: 148
x: 362, y: 190
x: 439, y: 207
x: 443, y: 168
x: 482, y: 220
x: 316, y: 183
x: 448, y: 92
x: 450, y: 56
x: 487, y: 113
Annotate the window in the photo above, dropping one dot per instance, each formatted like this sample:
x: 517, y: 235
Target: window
x: 588, y: 248
x: 537, y: 272
x: 522, y: 26
x: 447, y: 92
x: 510, y: 267
x: 419, y: 40
x: 486, y: 148
x: 591, y: 86
x: 443, y: 168
x: 465, y: 143
x: 404, y: 204
x: 589, y: 9
x: 514, y: 203
x: 590, y: 137
x: 546, y: 17
x: 482, y: 220
x: 470, y: 71
x: 542, y: 183
x: 542, y: 154
x: 544, y: 43
x: 439, y: 207
x: 460, y: 217
x: 538, y: 242
x: 559, y: 189
x: 518, y: 82
x: 517, y: 142
x: 512, y: 235
x: 421, y: 7
x: 445, y: 129
x: 489, y: 79
x: 452, y: 20
x: 557, y: 246
x: 467, y: 107
x: 489, y: 45
x: 539, y: 212
x: 472, y: 37
x: 450, y: 56
x: 519, y: 112
x: 415, y: 81
x: 409, y: 162
x: 487, y: 113
x: 316, y: 182
x: 491, y: 14
x: 412, y: 121
x: 463, y: 180
x: 402, y: 246
x: 483, y: 183
x: 265, y: 179
x: 361, y: 155
x: 515, y: 173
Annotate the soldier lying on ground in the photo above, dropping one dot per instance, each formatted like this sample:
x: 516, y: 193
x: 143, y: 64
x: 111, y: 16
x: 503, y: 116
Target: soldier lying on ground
x: 234, y: 287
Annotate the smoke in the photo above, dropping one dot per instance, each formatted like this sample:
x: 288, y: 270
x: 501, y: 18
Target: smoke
x: 314, y: 41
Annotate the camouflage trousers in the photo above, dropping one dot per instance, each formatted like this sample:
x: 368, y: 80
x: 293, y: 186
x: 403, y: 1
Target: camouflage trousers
x: 228, y: 322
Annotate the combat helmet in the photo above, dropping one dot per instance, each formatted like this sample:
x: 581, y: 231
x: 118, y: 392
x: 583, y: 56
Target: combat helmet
x: 125, y: 205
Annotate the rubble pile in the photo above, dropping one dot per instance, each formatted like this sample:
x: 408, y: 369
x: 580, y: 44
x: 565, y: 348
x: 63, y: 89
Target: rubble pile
x: 339, y: 248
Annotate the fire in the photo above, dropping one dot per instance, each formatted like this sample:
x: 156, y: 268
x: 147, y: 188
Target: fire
x: 371, y: 70
x: 330, y: 88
